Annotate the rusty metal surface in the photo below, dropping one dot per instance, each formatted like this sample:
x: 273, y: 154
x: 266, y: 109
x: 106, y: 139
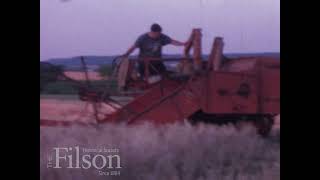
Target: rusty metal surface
x: 216, y: 54
x: 169, y: 101
x: 231, y: 93
x: 197, y: 49
x: 262, y: 75
x: 270, y: 89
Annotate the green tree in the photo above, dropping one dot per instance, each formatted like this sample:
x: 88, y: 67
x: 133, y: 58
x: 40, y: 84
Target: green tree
x: 49, y: 73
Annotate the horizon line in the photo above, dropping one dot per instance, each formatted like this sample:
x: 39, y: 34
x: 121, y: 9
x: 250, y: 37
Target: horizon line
x: 71, y: 57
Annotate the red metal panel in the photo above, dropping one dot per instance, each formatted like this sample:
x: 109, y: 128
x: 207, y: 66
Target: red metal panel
x: 270, y: 90
x: 231, y: 92
x: 172, y: 109
x: 167, y: 102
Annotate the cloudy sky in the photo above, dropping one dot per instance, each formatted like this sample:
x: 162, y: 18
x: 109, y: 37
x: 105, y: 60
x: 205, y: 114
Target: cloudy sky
x: 108, y: 27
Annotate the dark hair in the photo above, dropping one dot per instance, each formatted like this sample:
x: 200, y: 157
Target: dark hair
x: 156, y: 28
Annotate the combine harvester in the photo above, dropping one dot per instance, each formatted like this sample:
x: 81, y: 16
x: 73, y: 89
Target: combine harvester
x: 218, y: 90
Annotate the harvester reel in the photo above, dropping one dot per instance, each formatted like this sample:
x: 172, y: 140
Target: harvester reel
x: 98, y: 99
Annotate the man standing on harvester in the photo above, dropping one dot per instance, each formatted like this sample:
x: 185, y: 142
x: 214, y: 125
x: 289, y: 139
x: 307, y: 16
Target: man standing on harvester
x: 150, y: 46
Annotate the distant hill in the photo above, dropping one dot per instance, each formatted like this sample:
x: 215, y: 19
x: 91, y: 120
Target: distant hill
x: 93, y: 62
x: 74, y: 63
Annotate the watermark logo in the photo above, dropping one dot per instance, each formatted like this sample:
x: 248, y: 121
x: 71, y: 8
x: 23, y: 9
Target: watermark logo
x: 105, y: 160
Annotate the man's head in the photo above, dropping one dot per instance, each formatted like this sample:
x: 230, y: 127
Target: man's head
x: 155, y: 30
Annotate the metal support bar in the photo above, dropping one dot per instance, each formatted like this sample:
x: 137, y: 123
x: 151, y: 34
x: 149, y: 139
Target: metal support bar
x: 215, y: 58
x: 197, y: 49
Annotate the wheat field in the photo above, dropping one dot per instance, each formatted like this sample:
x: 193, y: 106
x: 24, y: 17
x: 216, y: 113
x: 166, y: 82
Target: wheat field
x: 174, y: 152
x: 169, y: 152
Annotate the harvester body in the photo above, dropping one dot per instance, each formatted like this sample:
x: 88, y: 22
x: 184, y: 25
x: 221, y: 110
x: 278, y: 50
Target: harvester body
x: 250, y: 89
x: 218, y: 87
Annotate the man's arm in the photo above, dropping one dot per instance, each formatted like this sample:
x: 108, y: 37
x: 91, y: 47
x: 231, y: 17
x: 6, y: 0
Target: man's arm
x: 178, y: 43
x: 130, y: 50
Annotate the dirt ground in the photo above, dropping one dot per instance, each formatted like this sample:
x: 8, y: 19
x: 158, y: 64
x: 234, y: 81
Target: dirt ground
x: 68, y: 110
x: 81, y: 76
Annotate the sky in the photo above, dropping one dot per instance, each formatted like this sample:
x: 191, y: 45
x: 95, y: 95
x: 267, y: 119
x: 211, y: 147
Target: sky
x: 108, y: 27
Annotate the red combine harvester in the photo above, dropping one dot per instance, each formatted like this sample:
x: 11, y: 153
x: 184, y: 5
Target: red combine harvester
x: 218, y: 90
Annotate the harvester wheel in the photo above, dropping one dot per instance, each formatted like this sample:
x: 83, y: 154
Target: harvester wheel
x: 264, y: 125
